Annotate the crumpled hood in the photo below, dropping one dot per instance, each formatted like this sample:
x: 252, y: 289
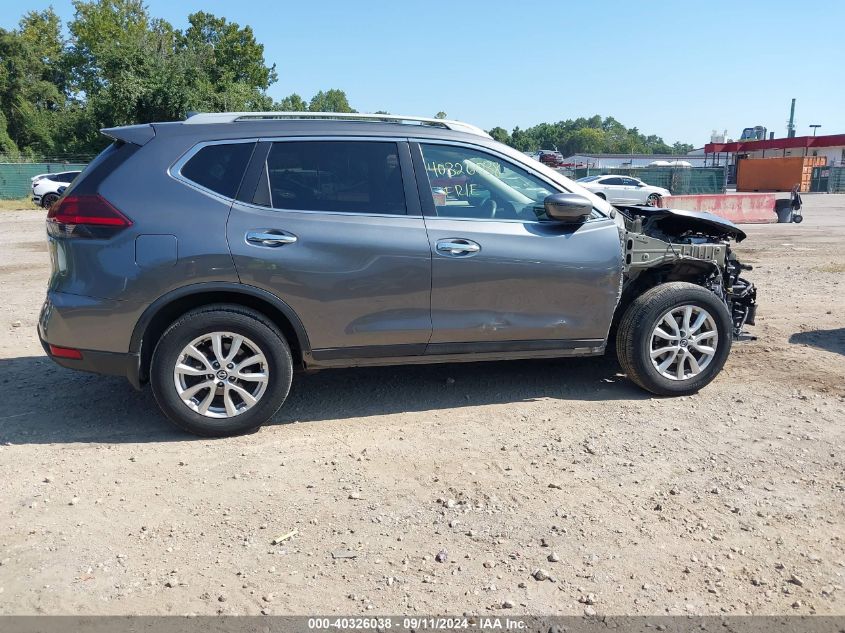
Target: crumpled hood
x: 680, y: 220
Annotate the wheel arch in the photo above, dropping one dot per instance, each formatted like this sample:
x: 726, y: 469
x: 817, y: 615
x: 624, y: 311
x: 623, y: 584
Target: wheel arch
x: 167, y: 308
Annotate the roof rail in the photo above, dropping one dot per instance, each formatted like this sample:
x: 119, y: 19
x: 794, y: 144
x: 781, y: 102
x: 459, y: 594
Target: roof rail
x: 232, y: 117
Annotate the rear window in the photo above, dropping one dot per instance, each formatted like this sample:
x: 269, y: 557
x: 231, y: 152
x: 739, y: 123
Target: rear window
x: 219, y: 167
x: 106, y: 155
x: 339, y: 176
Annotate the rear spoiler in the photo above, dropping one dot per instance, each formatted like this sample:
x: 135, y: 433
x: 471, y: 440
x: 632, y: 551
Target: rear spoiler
x: 136, y: 134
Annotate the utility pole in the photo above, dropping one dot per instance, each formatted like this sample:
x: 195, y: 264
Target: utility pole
x: 790, y: 127
x: 815, y: 126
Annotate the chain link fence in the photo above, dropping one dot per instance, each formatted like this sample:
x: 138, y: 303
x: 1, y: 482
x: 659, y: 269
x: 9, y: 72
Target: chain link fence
x: 836, y: 180
x: 679, y: 180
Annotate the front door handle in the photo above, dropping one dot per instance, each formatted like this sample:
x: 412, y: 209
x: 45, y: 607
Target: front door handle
x: 457, y: 247
x: 269, y: 237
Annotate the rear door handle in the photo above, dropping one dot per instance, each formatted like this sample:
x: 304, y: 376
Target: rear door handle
x: 269, y: 237
x: 457, y: 247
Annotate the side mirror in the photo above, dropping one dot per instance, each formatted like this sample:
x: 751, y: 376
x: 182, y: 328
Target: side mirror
x: 567, y: 207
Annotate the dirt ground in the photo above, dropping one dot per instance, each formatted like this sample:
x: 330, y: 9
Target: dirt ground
x: 731, y: 501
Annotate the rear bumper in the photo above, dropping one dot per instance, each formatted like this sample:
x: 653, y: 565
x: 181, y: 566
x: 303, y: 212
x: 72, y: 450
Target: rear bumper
x: 108, y: 363
x: 88, y: 325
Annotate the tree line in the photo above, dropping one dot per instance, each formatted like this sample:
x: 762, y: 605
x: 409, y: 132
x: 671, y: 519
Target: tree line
x: 119, y: 65
x: 115, y: 64
x: 593, y: 135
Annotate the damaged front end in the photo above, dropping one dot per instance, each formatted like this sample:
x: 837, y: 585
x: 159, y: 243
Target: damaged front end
x: 663, y: 245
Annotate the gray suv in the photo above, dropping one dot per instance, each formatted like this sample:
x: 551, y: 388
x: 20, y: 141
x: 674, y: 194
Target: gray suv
x: 213, y: 257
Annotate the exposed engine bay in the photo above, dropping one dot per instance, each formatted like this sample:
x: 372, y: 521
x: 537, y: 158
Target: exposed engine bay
x: 662, y: 245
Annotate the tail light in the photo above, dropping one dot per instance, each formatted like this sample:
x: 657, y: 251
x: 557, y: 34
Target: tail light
x: 65, y: 352
x: 86, y: 216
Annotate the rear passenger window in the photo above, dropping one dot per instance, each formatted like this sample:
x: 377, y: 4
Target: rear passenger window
x: 341, y: 176
x: 219, y: 167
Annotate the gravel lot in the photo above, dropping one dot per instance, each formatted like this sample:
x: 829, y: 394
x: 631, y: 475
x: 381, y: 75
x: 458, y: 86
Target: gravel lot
x: 731, y: 501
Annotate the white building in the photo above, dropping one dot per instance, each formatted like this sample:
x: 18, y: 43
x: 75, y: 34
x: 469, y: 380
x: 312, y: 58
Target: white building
x: 603, y: 161
x: 830, y: 146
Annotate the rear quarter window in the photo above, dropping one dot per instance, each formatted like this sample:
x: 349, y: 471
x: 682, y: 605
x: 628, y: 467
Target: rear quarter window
x: 219, y: 168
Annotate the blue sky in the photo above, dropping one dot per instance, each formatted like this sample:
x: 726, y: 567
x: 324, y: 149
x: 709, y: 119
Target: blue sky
x: 673, y: 68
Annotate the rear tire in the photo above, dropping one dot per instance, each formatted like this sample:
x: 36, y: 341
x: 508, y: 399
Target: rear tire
x: 221, y: 370
x: 797, y: 219
x: 653, y: 200
x: 679, y: 359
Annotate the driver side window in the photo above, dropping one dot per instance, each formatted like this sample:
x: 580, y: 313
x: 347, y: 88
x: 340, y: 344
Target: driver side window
x: 467, y: 183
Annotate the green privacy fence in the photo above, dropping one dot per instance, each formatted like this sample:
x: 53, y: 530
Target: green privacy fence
x: 678, y: 180
x: 15, y: 177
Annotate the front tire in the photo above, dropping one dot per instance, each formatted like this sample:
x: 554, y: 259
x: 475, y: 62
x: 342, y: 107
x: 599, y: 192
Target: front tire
x: 221, y: 370
x: 674, y: 339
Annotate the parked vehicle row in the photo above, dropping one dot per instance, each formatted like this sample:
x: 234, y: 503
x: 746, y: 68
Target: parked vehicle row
x: 45, y: 187
x: 550, y: 158
x: 613, y: 188
x: 624, y: 190
x: 213, y: 257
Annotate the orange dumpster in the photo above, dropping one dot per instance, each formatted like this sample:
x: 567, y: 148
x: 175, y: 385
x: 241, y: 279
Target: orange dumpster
x: 776, y: 174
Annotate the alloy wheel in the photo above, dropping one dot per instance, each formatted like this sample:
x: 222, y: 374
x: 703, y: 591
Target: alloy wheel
x: 221, y: 374
x: 683, y: 342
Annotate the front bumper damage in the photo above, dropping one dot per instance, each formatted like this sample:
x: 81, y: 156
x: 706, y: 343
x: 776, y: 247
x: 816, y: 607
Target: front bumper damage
x: 691, y: 245
x: 741, y: 298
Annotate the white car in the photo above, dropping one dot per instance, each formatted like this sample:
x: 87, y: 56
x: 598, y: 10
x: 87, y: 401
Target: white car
x: 45, y: 187
x: 623, y: 190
